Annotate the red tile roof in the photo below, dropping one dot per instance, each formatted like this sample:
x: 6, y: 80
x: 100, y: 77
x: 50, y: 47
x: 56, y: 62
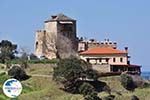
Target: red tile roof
x: 102, y: 50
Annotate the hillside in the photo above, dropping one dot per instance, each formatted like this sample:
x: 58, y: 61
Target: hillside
x: 41, y: 87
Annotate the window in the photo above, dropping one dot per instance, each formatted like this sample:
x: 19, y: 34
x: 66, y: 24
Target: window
x: 121, y: 59
x: 67, y: 27
x: 88, y: 60
x: 100, y: 60
x: 114, y: 59
x: 36, y: 45
x: 107, y: 59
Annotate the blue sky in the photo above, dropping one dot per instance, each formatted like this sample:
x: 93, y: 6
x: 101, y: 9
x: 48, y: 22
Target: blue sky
x: 125, y: 21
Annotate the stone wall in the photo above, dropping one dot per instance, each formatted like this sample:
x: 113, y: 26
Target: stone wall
x: 102, y: 68
x: 58, y: 33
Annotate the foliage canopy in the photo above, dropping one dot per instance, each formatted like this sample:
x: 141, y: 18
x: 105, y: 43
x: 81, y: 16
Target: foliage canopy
x: 73, y: 74
x: 7, y: 50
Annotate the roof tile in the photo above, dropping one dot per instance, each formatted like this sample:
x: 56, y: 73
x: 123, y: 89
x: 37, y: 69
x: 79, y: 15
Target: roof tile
x: 102, y: 50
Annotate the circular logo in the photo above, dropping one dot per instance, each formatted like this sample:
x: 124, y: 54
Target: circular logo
x: 12, y: 88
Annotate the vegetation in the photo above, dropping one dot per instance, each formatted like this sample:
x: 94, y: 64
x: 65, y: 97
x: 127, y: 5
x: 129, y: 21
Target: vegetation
x: 34, y: 61
x: 3, y: 78
x: 127, y: 82
x: 18, y: 73
x: 44, y: 88
x: 72, y: 73
x: 7, y: 51
x: 88, y: 92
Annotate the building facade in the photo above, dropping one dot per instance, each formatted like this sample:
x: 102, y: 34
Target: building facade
x: 108, y: 59
x: 55, y: 28
x: 92, y: 43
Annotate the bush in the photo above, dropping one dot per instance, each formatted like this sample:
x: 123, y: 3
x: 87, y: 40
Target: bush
x: 133, y: 97
x: 92, y: 96
x: 88, y: 92
x: 43, y: 61
x: 127, y: 82
x: 86, y: 89
x: 24, y: 63
x: 33, y: 57
x: 73, y: 74
x: 2, y: 73
x: 91, y: 74
x: 107, y: 89
x: 18, y: 73
x: 138, y: 81
x: 74, y: 68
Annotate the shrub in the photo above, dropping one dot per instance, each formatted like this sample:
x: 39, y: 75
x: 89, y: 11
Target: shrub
x: 127, y: 82
x: 18, y: 73
x: 2, y: 73
x: 33, y: 57
x: 92, y: 96
x: 86, y: 89
x: 138, y: 81
x: 133, y: 97
x: 73, y: 74
x: 2, y: 67
x: 88, y: 92
x: 43, y: 61
x: 24, y: 64
x: 91, y: 74
x: 107, y: 89
x: 74, y: 68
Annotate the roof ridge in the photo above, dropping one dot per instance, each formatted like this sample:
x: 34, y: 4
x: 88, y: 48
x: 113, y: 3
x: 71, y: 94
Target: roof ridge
x: 60, y: 17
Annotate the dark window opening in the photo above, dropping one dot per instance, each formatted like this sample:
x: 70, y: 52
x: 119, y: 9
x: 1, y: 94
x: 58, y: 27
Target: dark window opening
x: 107, y: 60
x: 36, y: 45
x: 114, y: 59
x: 100, y: 60
x: 67, y: 27
x: 121, y: 59
x: 88, y: 60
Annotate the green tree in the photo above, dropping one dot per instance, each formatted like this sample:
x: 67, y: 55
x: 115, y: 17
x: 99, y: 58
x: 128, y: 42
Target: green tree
x: 7, y: 50
x: 73, y: 68
x: 73, y: 74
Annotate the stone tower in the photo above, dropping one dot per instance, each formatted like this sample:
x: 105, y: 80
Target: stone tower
x: 54, y: 28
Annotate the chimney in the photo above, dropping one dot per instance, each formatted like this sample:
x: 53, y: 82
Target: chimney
x: 54, y: 16
x: 126, y: 49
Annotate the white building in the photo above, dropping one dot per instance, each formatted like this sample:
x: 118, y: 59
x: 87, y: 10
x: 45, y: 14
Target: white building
x: 107, y: 59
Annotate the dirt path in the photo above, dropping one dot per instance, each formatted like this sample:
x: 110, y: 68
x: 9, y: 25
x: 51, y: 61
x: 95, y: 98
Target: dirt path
x: 39, y: 75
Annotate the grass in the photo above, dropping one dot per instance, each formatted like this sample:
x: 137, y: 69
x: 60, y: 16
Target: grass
x: 115, y: 85
x: 2, y: 80
x: 44, y: 88
x: 42, y: 69
x: 36, y: 61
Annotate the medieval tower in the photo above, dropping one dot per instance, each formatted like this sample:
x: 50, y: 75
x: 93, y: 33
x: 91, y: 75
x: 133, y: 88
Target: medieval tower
x: 55, y: 28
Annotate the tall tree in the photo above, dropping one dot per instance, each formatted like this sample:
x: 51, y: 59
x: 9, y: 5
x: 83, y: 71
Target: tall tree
x: 7, y: 50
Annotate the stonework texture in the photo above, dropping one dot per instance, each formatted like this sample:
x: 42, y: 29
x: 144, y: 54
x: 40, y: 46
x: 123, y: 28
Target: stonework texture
x: 57, y: 39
